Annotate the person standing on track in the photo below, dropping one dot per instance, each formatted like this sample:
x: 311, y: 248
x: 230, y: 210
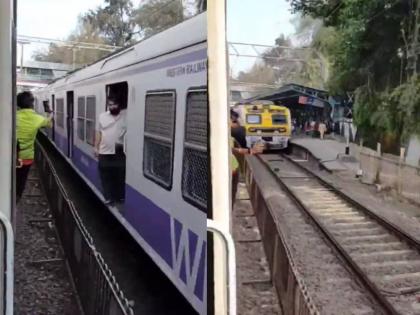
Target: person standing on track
x: 28, y: 122
x: 109, y: 148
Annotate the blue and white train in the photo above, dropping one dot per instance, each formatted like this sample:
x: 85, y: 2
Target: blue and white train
x: 162, y: 84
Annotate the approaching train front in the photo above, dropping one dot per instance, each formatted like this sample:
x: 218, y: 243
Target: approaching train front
x: 266, y: 122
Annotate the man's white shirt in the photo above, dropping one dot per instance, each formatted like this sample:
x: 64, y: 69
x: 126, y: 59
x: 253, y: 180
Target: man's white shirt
x: 113, y: 129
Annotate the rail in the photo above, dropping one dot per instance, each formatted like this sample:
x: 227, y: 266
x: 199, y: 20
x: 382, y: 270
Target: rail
x: 356, y: 269
x: 213, y: 227
x: 375, y: 291
x: 292, y: 291
x: 97, y: 288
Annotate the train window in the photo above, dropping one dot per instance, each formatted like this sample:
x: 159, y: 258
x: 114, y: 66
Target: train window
x: 59, y: 112
x: 90, y: 119
x: 81, y: 113
x: 159, y: 130
x: 195, y: 161
x: 46, y: 105
x: 279, y: 119
x: 253, y: 119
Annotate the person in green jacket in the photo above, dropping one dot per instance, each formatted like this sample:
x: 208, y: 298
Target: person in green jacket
x: 28, y: 122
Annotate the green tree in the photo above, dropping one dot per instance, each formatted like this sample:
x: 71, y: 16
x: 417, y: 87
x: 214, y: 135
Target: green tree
x: 157, y: 15
x: 363, y: 40
x: 285, y: 63
x: 259, y: 73
x: 114, y: 22
x: 86, y: 33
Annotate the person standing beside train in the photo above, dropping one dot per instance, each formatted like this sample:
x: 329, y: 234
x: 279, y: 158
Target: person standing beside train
x: 28, y: 122
x: 109, y: 149
x: 238, y: 147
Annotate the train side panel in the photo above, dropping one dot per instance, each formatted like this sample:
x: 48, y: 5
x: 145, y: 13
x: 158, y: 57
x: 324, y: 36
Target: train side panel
x: 168, y: 223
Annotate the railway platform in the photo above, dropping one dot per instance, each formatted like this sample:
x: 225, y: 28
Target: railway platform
x: 330, y: 153
x: 341, y: 170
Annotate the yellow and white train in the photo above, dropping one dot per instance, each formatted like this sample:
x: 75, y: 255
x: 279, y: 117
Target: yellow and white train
x: 266, y: 122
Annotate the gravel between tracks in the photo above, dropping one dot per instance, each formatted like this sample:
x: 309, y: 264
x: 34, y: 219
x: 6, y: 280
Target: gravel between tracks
x: 332, y: 288
x: 40, y: 287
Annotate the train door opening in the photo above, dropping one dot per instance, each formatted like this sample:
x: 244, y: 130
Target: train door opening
x: 116, y: 93
x: 53, y: 122
x: 119, y: 92
x: 70, y: 122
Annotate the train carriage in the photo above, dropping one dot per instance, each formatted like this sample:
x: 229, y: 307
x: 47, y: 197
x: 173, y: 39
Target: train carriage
x: 264, y: 121
x: 162, y: 84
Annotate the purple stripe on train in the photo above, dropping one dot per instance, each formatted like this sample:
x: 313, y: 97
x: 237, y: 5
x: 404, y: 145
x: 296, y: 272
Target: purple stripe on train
x: 61, y: 142
x: 150, y: 221
x: 88, y: 166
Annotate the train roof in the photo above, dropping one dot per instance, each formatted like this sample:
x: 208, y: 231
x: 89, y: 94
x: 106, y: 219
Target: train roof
x: 187, y: 33
x: 257, y: 102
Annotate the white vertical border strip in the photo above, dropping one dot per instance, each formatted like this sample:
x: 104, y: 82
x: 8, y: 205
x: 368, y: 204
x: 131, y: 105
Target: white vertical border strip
x: 219, y: 142
x: 7, y: 77
x: 6, y: 106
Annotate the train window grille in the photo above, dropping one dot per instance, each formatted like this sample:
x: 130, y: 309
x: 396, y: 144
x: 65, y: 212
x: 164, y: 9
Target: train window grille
x: 195, y: 161
x: 90, y: 119
x: 81, y: 113
x: 59, y: 112
x: 159, y: 133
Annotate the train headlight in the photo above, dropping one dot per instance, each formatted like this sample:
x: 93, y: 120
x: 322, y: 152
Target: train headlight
x: 276, y: 132
x: 252, y: 129
x: 259, y: 132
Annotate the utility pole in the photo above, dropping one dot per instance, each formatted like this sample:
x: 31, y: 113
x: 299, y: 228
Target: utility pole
x: 414, y: 51
x: 22, y: 43
x: 74, y: 50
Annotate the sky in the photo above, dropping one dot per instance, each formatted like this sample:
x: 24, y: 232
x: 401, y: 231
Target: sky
x: 248, y: 21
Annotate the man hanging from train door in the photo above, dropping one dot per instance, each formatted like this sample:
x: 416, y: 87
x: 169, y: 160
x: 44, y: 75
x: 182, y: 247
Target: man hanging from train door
x: 109, y: 148
x: 28, y: 122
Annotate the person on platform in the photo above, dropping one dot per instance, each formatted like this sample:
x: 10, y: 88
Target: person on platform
x: 237, y: 131
x: 322, y: 128
x: 109, y: 149
x: 28, y: 122
x: 237, y: 151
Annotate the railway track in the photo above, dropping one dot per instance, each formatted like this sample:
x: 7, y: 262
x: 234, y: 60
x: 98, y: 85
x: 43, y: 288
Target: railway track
x: 383, y: 257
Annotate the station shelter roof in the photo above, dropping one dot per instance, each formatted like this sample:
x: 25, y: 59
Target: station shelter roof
x: 292, y: 95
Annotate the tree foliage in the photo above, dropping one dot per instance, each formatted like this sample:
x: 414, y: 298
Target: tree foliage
x: 157, y: 15
x: 84, y: 33
x: 366, y: 43
x: 286, y: 64
x: 259, y: 73
x: 114, y: 22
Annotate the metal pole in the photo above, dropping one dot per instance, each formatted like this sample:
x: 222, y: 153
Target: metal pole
x: 348, y: 139
x: 74, y: 58
x: 231, y: 262
x: 219, y: 143
x: 21, y: 57
x: 416, y: 37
